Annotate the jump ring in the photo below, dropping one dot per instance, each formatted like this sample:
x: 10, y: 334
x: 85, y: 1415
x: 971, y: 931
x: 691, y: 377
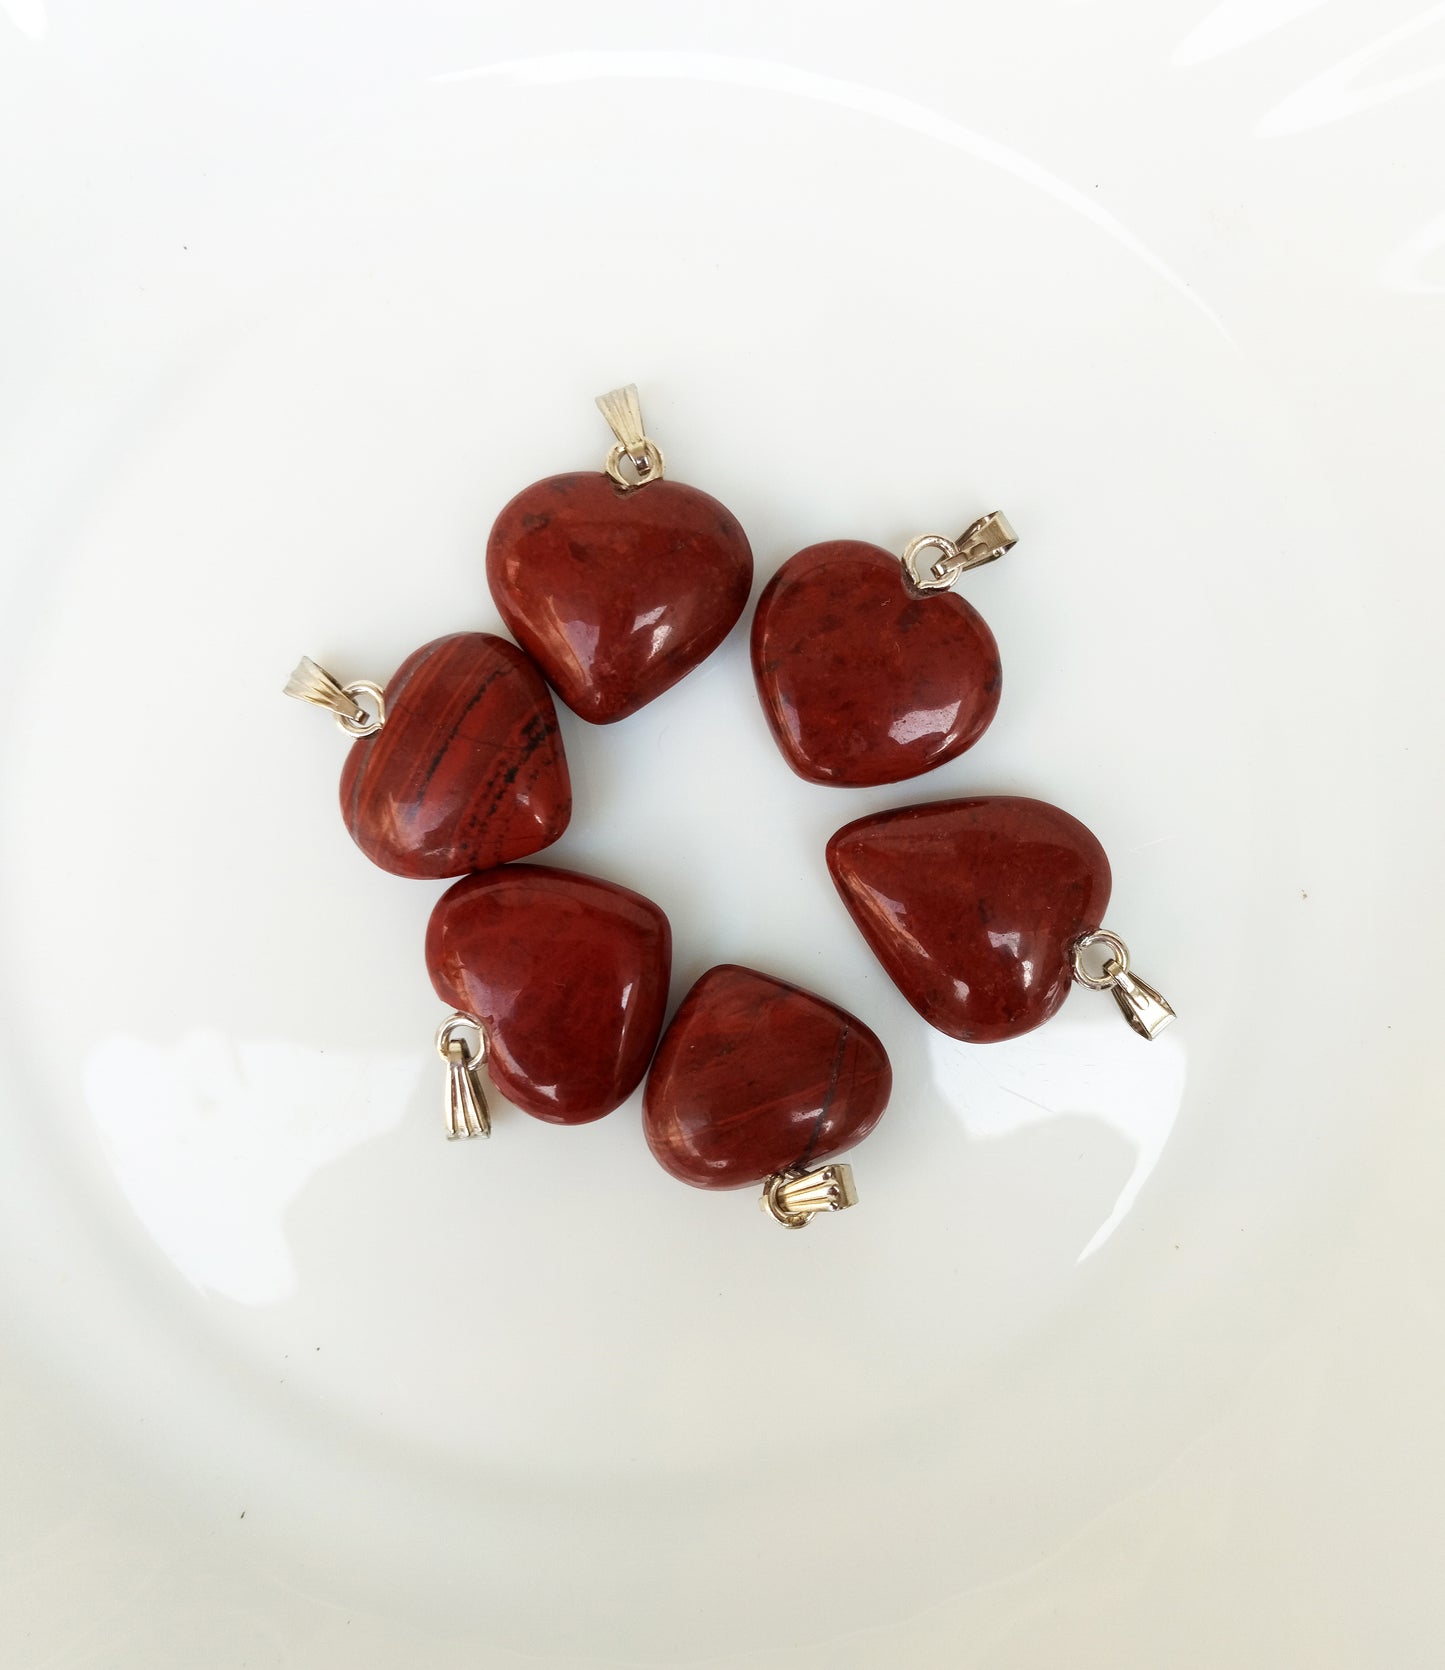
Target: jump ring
x: 459, y: 1022
x: 650, y: 452
x: 368, y: 724
x: 943, y: 573
x: 1117, y: 964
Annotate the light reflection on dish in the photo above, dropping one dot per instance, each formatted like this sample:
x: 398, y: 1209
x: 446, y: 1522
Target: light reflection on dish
x: 1238, y: 23
x: 211, y: 1139
x: 557, y: 68
x: 1337, y: 93
x: 28, y: 16
x: 1077, y: 1067
x: 1405, y: 269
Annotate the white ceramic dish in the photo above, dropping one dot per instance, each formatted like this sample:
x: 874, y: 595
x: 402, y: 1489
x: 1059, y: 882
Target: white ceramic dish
x: 1130, y: 1354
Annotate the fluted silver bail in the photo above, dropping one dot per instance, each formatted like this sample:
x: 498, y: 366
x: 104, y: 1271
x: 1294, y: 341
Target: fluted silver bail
x: 310, y: 682
x: 794, y: 1198
x: 465, y: 1098
x: 623, y: 410
x: 466, y: 1104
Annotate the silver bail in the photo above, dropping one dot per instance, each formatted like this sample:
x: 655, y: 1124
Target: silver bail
x: 623, y: 410
x: 983, y: 541
x: 312, y: 683
x: 1148, y: 1011
x: 986, y: 540
x: 466, y: 1100
x: 794, y: 1198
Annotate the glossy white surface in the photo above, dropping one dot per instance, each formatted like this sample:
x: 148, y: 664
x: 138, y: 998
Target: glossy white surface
x: 1130, y: 1354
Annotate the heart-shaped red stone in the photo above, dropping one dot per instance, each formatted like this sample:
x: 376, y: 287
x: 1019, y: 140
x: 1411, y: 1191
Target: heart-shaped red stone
x: 567, y: 975
x: 973, y: 906
x: 468, y: 770
x: 755, y: 1076
x: 863, y: 680
x: 617, y: 595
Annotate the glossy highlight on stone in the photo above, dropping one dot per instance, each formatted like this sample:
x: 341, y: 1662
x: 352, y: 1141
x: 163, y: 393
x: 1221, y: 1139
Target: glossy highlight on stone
x: 568, y: 975
x: 864, y: 680
x: 617, y: 595
x: 755, y: 1076
x: 468, y: 770
x: 973, y: 906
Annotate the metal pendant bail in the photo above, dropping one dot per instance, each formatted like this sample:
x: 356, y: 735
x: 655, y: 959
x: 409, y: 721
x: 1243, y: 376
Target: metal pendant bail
x: 312, y: 683
x: 1148, y: 1011
x: 794, y: 1198
x: 466, y: 1098
x: 623, y: 410
x: 983, y: 541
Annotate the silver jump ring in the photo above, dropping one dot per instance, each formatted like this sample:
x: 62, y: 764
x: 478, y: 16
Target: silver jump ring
x: 367, y: 724
x: 941, y: 575
x: 650, y: 455
x: 446, y: 1038
x: 1117, y: 964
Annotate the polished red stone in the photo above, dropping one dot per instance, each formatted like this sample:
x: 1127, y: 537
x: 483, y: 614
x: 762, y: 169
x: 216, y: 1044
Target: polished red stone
x: 567, y: 974
x: 863, y: 680
x: 468, y: 770
x: 617, y: 595
x: 754, y: 1076
x: 973, y: 906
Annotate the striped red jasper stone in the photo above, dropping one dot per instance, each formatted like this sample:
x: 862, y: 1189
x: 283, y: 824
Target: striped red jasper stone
x: 756, y: 1076
x: 468, y: 770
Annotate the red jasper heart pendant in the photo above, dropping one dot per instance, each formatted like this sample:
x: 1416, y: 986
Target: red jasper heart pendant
x: 863, y: 678
x: 467, y: 771
x: 567, y: 976
x: 973, y: 906
x: 618, y: 587
x: 867, y: 670
x: 983, y: 910
x: 756, y: 1079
